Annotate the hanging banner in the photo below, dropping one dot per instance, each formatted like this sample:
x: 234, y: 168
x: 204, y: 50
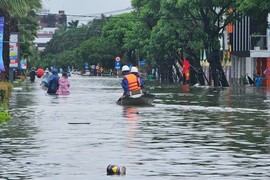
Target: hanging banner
x: 14, y: 50
x: 268, y: 32
x: 23, y: 64
x: 2, y: 67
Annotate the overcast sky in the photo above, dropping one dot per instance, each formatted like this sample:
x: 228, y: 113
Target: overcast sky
x: 85, y: 7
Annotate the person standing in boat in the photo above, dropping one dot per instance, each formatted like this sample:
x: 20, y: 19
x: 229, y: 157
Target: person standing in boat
x: 64, y: 85
x: 134, y: 70
x: 130, y: 82
x: 53, y: 84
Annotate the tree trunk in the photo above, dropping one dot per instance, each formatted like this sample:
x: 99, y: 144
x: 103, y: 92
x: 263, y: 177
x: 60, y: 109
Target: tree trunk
x: 165, y: 67
x: 216, y: 71
x: 196, y: 73
x: 131, y: 57
x: 170, y: 70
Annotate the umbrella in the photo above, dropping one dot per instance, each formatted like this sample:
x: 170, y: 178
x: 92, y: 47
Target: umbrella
x: 40, y: 72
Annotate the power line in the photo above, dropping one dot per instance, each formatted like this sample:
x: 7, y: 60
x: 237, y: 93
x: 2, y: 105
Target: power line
x: 94, y: 15
x: 111, y: 12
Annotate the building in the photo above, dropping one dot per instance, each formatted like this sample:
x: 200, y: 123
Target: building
x: 44, y: 35
x: 249, y: 46
x: 48, y: 24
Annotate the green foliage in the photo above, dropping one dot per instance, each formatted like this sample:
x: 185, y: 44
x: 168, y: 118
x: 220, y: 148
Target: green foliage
x: 28, y: 28
x: 64, y: 48
x: 117, y: 29
x: 255, y: 8
x: 155, y: 31
x: 5, y: 93
x: 98, y: 50
x: 19, y: 17
x: 4, y: 116
x: 66, y: 39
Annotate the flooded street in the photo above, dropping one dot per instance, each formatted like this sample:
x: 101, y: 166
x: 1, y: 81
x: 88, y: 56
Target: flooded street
x: 188, y: 133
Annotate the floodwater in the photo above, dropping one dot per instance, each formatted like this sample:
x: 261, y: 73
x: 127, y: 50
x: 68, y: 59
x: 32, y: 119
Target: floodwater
x: 189, y: 133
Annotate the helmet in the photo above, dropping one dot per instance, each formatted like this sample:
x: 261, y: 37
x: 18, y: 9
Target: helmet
x: 125, y: 68
x: 134, y: 70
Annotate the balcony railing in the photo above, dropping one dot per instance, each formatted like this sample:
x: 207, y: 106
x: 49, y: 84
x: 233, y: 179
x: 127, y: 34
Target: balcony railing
x: 258, y: 42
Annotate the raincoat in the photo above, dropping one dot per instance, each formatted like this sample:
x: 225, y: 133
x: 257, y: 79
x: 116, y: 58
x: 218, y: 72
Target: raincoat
x: 64, y: 86
x: 53, y: 82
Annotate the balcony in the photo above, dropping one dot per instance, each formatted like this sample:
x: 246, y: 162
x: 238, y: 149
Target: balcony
x: 258, y: 46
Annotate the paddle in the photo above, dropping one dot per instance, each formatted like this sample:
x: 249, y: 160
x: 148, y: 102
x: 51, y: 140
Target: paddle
x: 122, y: 97
x: 250, y: 80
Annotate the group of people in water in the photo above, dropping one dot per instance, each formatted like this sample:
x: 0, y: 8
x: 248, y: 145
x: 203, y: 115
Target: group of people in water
x: 132, y: 82
x: 52, y: 82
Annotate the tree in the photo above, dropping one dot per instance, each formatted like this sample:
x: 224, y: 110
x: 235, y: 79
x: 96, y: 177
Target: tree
x: 73, y: 24
x: 214, y: 16
x: 28, y: 28
x: 116, y: 30
x: 98, y: 50
x: 63, y: 48
x: 13, y: 11
x: 256, y: 9
x: 185, y: 38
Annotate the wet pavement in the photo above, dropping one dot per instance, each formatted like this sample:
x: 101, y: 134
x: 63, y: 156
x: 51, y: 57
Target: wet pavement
x: 188, y: 133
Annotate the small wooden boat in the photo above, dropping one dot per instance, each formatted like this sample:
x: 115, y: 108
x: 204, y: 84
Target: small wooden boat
x: 144, y: 99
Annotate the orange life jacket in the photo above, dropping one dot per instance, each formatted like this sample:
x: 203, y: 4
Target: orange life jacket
x: 133, y: 82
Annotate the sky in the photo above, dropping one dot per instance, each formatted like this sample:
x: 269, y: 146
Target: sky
x: 86, y: 7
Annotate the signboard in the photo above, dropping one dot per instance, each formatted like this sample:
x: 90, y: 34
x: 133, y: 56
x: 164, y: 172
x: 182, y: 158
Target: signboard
x: 2, y: 67
x: 23, y: 64
x: 268, y: 32
x: 117, y: 64
x: 117, y: 58
x: 14, y: 50
x: 86, y: 65
x: 142, y: 62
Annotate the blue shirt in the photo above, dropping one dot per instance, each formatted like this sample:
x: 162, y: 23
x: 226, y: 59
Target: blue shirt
x: 124, y: 83
x: 258, y: 81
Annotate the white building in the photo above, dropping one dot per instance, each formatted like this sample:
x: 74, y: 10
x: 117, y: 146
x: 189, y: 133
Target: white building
x: 44, y: 35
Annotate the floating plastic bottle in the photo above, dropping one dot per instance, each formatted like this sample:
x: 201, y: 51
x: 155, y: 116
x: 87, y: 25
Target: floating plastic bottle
x: 116, y: 170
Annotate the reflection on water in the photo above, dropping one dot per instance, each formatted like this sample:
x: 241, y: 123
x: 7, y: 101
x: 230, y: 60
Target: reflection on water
x: 189, y: 133
x: 131, y: 113
x: 132, y: 118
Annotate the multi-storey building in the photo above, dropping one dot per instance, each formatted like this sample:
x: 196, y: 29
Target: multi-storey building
x: 49, y: 23
x: 250, y: 49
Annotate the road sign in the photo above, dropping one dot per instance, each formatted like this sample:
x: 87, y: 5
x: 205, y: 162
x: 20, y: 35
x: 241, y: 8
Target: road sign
x: 117, y: 64
x: 86, y: 65
x: 142, y: 62
x: 117, y: 58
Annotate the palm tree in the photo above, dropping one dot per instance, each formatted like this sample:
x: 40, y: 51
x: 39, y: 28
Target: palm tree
x: 13, y: 11
x: 73, y: 24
